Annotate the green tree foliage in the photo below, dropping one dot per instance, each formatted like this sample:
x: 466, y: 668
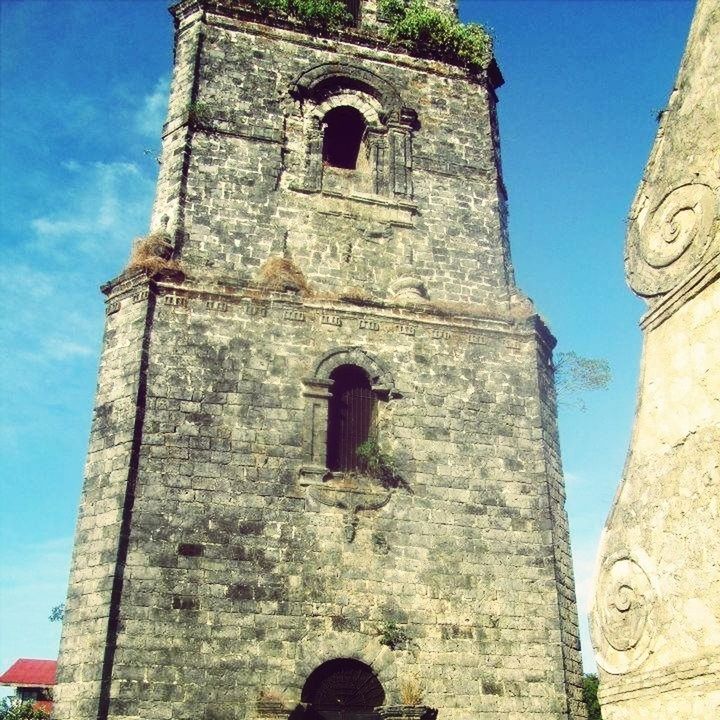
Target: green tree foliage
x: 435, y: 34
x: 316, y: 14
x: 575, y: 375
x: 420, y: 29
x: 590, y: 691
x: 15, y: 709
x: 57, y: 614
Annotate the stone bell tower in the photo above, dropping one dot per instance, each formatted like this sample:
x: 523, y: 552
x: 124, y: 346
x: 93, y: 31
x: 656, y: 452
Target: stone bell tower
x: 323, y: 477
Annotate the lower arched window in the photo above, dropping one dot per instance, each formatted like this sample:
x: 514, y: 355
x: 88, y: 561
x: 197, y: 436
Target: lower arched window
x: 350, y: 416
x: 343, y: 689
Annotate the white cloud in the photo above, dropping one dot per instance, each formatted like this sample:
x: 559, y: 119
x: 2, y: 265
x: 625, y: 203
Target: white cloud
x: 59, y: 348
x: 34, y: 579
x: 572, y: 478
x: 151, y: 115
x: 96, y: 205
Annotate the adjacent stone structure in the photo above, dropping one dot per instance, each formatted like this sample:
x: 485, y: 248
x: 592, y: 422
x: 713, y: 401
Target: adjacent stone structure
x: 332, y: 228
x: 656, y: 616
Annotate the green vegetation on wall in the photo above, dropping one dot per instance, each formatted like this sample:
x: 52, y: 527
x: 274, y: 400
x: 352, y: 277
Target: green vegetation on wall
x: 590, y: 691
x: 419, y: 29
x: 316, y: 14
x: 434, y: 34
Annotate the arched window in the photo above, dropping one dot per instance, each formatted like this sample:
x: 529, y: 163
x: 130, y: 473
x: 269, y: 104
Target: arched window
x: 343, y: 689
x: 353, y: 7
x: 350, y: 416
x: 343, y: 137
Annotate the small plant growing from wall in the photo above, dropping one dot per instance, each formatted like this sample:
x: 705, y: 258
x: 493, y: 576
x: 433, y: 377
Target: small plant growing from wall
x: 411, y: 692
x: 282, y: 275
x: 199, y: 113
x: 421, y: 30
x: 377, y: 464
x: 392, y: 635
x: 575, y: 375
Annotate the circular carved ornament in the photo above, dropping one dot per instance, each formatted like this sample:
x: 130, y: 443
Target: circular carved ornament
x: 621, y: 621
x: 666, y: 243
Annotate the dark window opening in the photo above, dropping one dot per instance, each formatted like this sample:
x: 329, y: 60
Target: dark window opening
x: 343, y: 689
x: 353, y: 7
x: 344, y: 133
x: 350, y: 416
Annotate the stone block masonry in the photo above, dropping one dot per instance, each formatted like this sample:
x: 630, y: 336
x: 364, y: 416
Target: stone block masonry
x: 223, y: 565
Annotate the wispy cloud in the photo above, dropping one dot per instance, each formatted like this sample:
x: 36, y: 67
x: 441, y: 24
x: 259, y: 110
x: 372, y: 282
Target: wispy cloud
x: 28, y: 592
x: 151, y: 115
x: 101, y: 198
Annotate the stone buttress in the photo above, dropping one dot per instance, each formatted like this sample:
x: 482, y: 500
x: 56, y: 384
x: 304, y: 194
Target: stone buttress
x: 655, y: 619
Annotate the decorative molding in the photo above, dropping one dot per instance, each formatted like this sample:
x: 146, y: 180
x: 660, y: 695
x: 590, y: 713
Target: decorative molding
x: 669, y: 236
x: 698, y: 280
x: 622, y: 621
x: 352, y: 494
x: 112, y: 307
x: 696, y: 672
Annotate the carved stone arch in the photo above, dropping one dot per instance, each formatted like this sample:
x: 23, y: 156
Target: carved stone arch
x: 370, y: 110
x: 381, y: 379
x: 322, y: 81
x: 313, y: 651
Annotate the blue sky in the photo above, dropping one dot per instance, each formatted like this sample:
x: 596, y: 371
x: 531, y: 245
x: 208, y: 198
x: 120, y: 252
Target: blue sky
x: 83, y: 89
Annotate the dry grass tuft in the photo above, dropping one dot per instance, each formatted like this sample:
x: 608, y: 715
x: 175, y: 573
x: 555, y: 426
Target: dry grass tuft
x: 355, y: 295
x: 151, y: 254
x: 281, y: 274
x: 411, y: 692
x: 270, y: 700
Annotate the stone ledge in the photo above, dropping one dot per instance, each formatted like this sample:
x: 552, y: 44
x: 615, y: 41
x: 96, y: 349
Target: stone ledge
x: 698, y: 280
x: 696, y: 672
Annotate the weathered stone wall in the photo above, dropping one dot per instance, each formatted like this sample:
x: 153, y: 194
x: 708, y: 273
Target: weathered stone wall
x: 656, y: 615
x: 247, y: 192
x: 242, y: 564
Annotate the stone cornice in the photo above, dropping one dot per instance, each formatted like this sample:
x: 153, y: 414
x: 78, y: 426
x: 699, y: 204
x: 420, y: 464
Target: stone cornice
x: 696, y: 672
x: 434, y: 318
x: 665, y: 307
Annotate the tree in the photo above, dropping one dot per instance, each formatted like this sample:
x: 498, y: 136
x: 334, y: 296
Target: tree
x: 590, y: 691
x: 16, y: 709
x: 575, y: 375
x: 57, y: 614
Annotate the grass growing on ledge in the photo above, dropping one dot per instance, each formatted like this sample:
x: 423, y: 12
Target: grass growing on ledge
x: 280, y: 274
x: 316, y: 14
x: 421, y: 30
x: 151, y: 254
x: 435, y: 34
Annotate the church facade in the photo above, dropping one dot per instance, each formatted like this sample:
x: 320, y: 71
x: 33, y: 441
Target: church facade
x: 324, y: 473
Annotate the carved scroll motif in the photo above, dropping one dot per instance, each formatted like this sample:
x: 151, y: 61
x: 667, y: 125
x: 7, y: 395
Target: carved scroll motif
x: 621, y: 622
x: 667, y: 242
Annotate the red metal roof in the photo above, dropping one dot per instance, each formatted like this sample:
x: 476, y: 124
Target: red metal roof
x: 30, y: 673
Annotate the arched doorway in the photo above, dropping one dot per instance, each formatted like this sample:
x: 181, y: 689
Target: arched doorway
x: 342, y: 689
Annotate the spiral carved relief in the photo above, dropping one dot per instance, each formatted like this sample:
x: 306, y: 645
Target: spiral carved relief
x: 667, y: 242
x: 622, y: 619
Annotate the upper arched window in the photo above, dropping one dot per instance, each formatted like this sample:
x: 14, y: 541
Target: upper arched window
x: 344, y: 132
x: 350, y: 416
